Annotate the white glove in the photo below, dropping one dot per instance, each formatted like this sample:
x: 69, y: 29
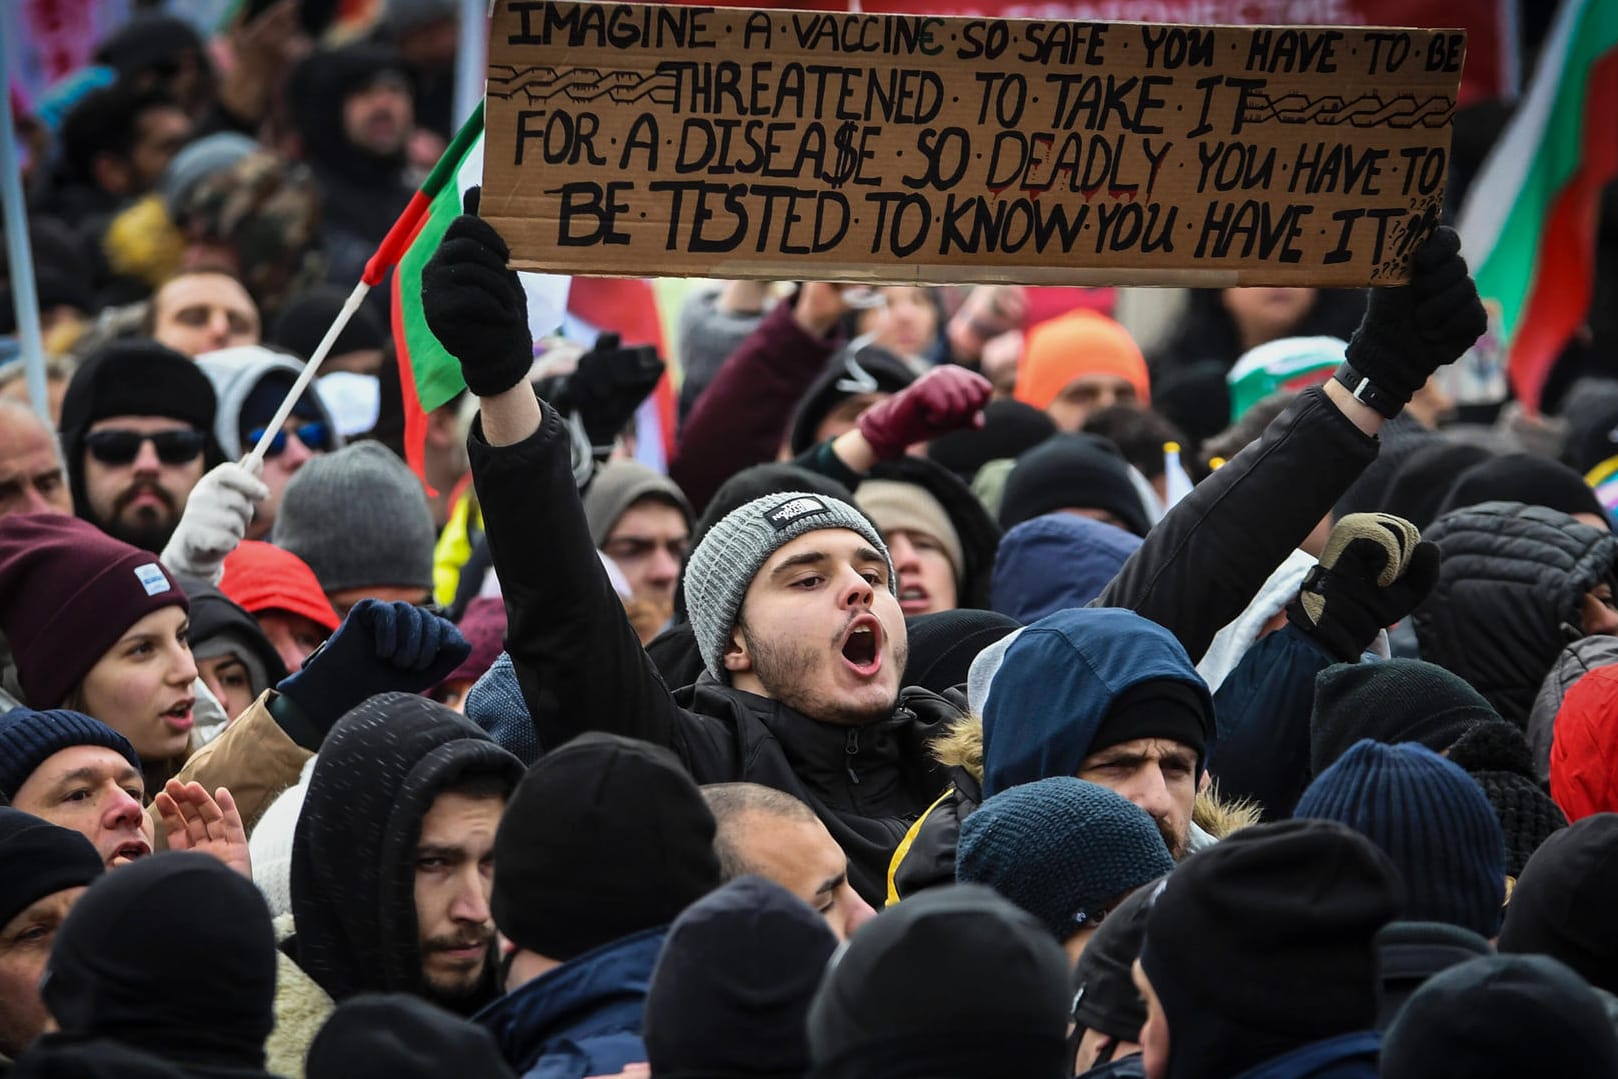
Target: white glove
x: 215, y: 520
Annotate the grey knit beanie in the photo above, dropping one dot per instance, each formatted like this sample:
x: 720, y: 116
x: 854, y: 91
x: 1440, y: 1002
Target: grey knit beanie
x: 359, y: 517
x: 723, y: 564
x: 617, y: 486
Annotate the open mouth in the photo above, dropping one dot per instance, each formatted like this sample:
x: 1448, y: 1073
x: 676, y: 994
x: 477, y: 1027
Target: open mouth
x: 913, y: 599
x: 862, y: 646
x: 179, y: 717
x: 129, y: 852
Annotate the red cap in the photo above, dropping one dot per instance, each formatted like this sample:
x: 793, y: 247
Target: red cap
x: 262, y: 577
x: 68, y: 591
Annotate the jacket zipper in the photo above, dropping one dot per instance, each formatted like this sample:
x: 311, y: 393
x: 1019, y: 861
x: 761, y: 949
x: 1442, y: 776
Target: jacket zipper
x: 852, y: 749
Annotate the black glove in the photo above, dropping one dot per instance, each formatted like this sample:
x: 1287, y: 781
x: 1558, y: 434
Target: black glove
x: 476, y: 307
x: 379, y: 648
x: 609, y: 385
x: 1409, y: 331
x: 1375, y: 570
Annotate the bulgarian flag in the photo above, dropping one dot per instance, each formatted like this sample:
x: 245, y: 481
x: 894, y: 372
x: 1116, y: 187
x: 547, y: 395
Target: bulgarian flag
x: 1529, y: 223
x: 428, y: 375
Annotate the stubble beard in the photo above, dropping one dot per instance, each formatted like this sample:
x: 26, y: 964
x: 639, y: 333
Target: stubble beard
x: 785, y: 669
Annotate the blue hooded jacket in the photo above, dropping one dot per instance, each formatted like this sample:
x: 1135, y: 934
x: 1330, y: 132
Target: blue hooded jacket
x: 1057, y: 561
x: 584, y: 1017
x: 1080, y: 660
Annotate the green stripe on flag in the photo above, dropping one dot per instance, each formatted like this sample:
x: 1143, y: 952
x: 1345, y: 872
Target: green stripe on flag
x: 437, y: 373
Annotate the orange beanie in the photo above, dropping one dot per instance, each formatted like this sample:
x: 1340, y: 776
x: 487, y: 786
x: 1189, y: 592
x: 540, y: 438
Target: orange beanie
x: 1078, y: 343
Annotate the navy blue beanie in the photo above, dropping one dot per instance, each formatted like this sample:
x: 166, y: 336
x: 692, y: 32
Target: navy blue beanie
x: 1430, y: 818
x: 28, y: 738
x: 1062, y: 849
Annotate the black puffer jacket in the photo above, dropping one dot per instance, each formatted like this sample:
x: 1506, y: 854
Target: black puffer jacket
x: 1508, y: 596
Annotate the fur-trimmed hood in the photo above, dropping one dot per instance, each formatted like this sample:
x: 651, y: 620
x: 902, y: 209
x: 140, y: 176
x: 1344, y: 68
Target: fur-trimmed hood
x: 961, y: 746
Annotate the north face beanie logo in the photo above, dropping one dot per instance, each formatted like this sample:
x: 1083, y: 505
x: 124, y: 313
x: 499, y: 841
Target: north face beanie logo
x: 783, y: 515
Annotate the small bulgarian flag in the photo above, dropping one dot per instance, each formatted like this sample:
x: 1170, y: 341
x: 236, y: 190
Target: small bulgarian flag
x: 1529, y: 223
x: 428, y: 375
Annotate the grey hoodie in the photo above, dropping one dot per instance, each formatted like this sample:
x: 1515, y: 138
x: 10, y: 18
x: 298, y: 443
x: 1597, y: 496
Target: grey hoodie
x: 235, y: 373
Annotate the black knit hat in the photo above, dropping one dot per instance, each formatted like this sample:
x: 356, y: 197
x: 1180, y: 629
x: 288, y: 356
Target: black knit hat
x: 1010, y: 429
x: 1502, y: 1016
x: 1419, y: 488
x: 135, y: 377
x: 604, y: 837
x: 733, y: 984
x: 871, y: 369
x: 398, y: 1036
x: 1526, y: 478
x: 28, y: 738
x: 180, y: 914
x: 1496, y: 757
x: 944, y: 644
x: 1072, y: 471
x: 1241, y: 927
x: 306, y: 317
x: 1399, y: 700
x: 892, y: 1006
x: 38, y: 859
x: 1563, y: 903
x: 1104, y: 995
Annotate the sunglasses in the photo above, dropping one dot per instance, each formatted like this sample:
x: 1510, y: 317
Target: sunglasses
x: 118, y: 447
x: 313, y: 434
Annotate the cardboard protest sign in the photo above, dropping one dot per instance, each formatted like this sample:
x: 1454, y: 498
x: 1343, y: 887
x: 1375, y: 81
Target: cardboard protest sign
x: 641, y: 139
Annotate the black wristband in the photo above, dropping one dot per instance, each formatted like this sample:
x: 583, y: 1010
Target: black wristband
x: 1367, y: 392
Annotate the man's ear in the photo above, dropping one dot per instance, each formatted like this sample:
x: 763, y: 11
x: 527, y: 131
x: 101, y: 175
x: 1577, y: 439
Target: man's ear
x: 736, y: 657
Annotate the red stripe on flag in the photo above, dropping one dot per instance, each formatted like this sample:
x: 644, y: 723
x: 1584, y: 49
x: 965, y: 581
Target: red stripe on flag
x: 394, y: 244
x: 415, y: 419
x: 1559, y: 298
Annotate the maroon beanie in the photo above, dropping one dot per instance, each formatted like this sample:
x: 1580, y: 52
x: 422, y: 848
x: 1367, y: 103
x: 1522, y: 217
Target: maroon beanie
x: 68, y: 591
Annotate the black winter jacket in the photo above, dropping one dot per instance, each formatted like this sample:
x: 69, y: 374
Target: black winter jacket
x: 581, y: 666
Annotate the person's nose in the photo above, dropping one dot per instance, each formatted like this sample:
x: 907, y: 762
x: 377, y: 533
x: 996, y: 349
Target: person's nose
x: 859, y: 911
x: 903, y: 552
x: 122, y: 810
x: 146, y: 460
x: 471, y: 902
x: 663, y: 567
x: 295, y: 452
x: 856, y: 591
x: 1148, y: 789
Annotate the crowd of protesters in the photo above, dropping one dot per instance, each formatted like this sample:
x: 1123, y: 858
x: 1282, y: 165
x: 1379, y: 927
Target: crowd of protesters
x: 973, y: 694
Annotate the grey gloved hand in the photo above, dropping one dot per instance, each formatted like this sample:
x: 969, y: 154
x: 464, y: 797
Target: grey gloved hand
x: 215, y: 520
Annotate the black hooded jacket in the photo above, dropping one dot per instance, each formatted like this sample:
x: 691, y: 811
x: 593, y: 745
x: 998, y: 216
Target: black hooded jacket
x: 581, y: 666
x: 354, y: 847
x: 1508, y: 596
x: 362, y: 193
